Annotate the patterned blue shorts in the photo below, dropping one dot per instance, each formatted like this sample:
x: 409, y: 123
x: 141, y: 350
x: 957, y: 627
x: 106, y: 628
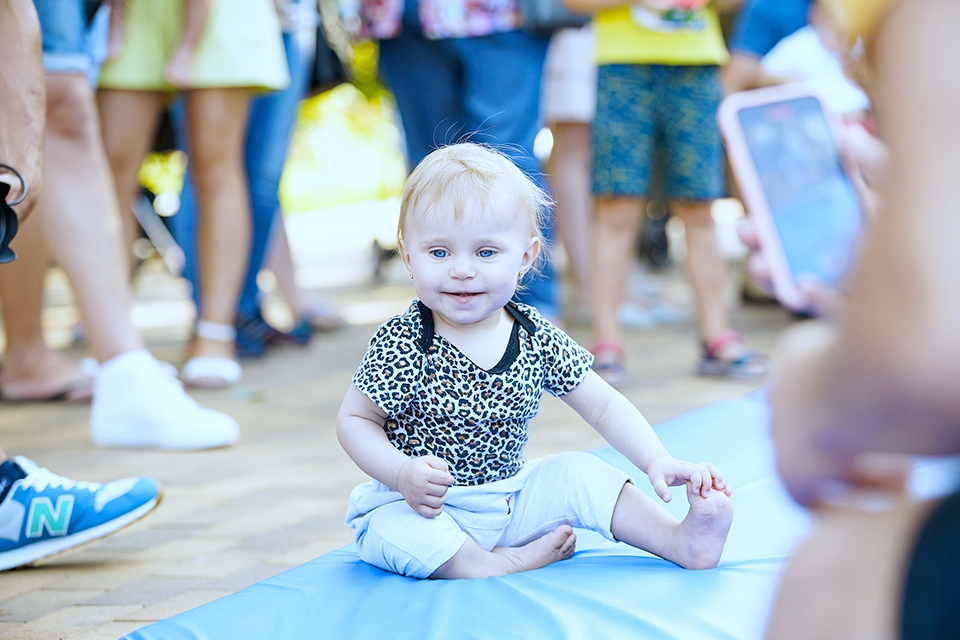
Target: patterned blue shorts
x: 642, y: 109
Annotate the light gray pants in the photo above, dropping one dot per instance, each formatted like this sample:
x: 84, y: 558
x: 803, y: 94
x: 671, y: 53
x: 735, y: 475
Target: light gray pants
x: 573, y: 488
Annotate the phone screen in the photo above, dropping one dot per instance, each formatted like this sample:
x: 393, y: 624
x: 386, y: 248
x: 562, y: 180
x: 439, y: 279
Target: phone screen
x: 812, y: 201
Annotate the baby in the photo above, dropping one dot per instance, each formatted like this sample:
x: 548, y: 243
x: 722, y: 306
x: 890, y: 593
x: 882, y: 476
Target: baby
x: 437, y: 413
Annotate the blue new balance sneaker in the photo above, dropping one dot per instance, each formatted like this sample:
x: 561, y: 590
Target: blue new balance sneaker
x: 44, y: 514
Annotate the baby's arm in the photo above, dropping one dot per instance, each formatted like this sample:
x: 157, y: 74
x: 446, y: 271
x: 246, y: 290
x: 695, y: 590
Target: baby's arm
x: 422, y: 481
x: 624, y: 427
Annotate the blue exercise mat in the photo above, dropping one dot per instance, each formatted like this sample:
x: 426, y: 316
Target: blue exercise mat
x: 607, y: 590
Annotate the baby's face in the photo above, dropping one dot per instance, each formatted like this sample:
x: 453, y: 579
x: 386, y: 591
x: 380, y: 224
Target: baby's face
x: 466, y: 270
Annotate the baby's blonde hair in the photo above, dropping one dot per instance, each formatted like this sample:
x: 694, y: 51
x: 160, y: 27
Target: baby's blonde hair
x: 457, y: 173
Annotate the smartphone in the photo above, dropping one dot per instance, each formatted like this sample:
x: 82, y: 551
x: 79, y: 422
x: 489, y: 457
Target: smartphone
x: 795, y: 185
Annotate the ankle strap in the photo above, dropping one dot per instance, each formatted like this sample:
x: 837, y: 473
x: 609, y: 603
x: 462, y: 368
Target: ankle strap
x: 215, y: 331
x: 721, y: 340
x: 606, y: 346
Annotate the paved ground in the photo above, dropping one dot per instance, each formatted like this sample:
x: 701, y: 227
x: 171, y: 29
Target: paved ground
x: 235, y: 516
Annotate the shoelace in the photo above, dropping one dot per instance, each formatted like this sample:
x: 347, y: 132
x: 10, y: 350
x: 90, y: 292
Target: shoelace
x: 40, y: 478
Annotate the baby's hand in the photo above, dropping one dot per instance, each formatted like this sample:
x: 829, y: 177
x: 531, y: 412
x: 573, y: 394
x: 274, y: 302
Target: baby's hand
x: 669, y: 472
x: 423, y: 483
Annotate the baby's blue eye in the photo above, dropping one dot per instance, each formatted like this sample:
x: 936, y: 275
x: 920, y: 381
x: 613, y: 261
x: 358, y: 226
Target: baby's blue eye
x: 486, y: 253
x: 439, y: 253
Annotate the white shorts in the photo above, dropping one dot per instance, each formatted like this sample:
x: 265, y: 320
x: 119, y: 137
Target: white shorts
x: 573, y: 488
x: 569, y: 89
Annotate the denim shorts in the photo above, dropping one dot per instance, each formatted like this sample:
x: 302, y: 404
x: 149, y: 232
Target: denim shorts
x: 70, y: 43
x: 574, y: 488
x: 670, y: 109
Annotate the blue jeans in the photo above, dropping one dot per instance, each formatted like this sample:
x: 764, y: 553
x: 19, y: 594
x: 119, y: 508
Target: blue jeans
x: 70, y: 44
x: 272, y: 117
x: 485, y: 89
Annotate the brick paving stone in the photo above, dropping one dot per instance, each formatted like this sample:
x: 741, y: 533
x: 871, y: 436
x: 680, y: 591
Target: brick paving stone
x: 142, y: 591
x: 173, y: 605
x: 245, y: 577
x: 39, y: 602
x: 69, y: 620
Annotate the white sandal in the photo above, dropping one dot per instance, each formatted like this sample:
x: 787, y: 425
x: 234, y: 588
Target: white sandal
x: 205, y: 372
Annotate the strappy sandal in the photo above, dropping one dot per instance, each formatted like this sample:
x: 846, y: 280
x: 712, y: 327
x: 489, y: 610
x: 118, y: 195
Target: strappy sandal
x: 741, y: 364
x: 608, y: 362
x: 205, y: 372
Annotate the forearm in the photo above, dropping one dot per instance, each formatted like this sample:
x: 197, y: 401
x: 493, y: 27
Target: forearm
x: 22, y: 95
x: 195, y: 16
x: 744, y: 71
x: 617, y: 420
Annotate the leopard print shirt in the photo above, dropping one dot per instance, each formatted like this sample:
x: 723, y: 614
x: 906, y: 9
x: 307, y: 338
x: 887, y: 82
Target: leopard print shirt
x: 439, y: 402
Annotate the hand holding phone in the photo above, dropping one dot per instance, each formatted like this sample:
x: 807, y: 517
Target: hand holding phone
x: 795, y: 186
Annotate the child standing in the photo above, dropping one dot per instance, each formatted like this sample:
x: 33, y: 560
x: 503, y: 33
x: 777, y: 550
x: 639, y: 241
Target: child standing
x: 437, y: 414
x: 658, y: 90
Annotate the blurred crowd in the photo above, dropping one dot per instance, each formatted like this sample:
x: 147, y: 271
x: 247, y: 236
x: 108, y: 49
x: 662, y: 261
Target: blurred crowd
x: 629, y: 93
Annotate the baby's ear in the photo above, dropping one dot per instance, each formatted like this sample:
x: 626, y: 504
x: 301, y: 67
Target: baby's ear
x: 404, y: 254
x: 533, y: 250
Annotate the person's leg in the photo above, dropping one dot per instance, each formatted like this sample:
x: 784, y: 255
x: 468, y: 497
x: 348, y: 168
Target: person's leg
x: 425, y: 83
x: 569, y: 170
x: 217, y: 120
x: 696, y: 542
x: 624, y: 141
x: 31, y: 369
x: 614, y: 239
x: 271, y: 121
x: 137, y: 403
x: 499, y: 104
x: 846, y: 579
x: 81, y: 217
x: 319, y: 315
x: 473, y: 562
x: 693, y: 176
x: 704, y: 266
x: 129, y: 125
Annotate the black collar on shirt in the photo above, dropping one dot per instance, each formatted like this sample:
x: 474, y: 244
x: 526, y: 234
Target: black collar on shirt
x: 427, y: 332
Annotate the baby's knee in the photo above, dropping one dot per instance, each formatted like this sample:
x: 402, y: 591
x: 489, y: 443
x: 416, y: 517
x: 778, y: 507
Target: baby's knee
x: 399, y: 540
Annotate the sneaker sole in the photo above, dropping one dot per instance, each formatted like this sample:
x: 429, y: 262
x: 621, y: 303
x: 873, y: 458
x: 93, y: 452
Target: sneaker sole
x: 55, y: 546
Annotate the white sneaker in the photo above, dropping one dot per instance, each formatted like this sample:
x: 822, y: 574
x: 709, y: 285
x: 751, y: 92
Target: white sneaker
x: 139, y: 403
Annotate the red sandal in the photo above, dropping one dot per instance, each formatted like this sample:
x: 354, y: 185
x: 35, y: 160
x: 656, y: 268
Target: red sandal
x: 744, y: 365
x: 608, y: 362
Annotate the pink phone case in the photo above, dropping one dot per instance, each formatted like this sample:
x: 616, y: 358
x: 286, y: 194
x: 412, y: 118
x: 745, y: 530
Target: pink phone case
x: 751, y: 191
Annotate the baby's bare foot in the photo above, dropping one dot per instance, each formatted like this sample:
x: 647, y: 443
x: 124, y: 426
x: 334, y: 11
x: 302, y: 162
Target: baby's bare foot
x: 557, y: 545
x: 704, y: 530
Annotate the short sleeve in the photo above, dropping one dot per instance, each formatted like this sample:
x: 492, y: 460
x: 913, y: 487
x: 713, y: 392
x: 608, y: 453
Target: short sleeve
x: 392, y: 366
x: 565, y: 363
x: 761, y: 24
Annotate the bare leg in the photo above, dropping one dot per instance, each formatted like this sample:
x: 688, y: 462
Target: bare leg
x: 705, y: 267
x: 217, y: 120
x: 31, y: 369
x: 570, y: 178
x: 130, y: 119
x: 473, y: 562
x: 696, y: 542
x: 615, y: 233
x: 846, y: 579
x: 137, y: 402
x: 280, y: 261
x: 80, y: 213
